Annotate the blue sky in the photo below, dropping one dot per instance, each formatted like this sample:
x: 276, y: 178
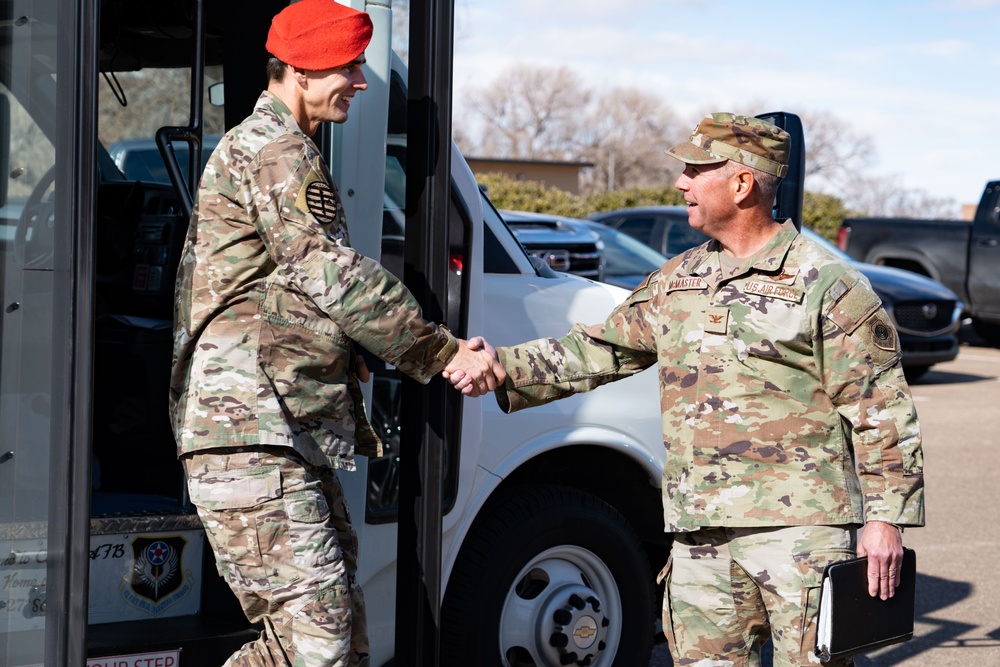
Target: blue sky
x: 921, y: 78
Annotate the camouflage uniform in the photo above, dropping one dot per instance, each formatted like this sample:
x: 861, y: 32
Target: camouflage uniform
x: 270, y: 299
x: 282, y: 538
x: 783, y: 400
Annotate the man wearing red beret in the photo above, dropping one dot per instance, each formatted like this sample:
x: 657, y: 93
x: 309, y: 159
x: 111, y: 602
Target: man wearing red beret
x: 265, y: 395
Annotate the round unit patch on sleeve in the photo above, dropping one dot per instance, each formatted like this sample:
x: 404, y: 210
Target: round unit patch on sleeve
x: 883, y: 335
x: 321, y: 201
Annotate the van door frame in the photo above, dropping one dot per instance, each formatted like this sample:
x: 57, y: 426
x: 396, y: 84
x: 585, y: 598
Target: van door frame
x: 70, y: 468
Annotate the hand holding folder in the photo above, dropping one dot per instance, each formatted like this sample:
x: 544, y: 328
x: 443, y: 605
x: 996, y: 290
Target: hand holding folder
x: 852, y: 621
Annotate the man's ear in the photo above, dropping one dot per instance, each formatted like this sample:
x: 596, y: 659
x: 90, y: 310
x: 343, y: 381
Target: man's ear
x: 743, y: 183
x: 300, y: 75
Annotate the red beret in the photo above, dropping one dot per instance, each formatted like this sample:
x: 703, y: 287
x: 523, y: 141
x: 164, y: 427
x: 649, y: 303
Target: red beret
x: 318, y: 34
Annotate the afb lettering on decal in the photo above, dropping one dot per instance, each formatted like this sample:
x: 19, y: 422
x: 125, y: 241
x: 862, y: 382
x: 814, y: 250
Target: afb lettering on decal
x: 783, y: 292
x: 692, y: 282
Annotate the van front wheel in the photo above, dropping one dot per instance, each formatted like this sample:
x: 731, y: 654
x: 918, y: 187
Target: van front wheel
x: 549, y: 576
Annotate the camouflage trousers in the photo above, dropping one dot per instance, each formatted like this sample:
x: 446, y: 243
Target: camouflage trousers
x: 283, y: 541
x: 729, y: 589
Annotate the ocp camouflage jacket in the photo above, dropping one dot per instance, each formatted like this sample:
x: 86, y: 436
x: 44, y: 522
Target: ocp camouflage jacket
x: 782, y: 395
x: 270, y: 296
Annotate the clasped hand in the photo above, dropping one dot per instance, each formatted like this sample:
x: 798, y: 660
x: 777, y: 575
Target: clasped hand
x: 475, y: 370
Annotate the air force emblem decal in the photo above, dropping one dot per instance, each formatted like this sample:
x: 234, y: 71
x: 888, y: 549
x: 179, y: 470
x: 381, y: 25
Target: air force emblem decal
x: 158, y: 578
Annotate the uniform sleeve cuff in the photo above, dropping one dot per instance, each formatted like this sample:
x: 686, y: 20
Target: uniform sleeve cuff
x: 445, y: 354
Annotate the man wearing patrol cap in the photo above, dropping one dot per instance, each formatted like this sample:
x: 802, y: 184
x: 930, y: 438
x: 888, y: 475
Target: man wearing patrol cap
x: 787, y: 421
x: 265, y: 396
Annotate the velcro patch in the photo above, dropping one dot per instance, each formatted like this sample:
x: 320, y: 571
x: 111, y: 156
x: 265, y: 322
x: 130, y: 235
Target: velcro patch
x: 853, y: 308
x: 774, y: 290
x: 717, y: 321
x: 691, y: 282
x: 641, y: 292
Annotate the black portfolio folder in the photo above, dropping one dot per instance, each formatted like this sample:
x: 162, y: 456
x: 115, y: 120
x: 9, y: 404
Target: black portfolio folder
x: 851, y: 621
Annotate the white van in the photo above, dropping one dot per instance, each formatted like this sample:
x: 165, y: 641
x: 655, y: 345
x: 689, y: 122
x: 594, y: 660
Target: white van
x: 552, y: 523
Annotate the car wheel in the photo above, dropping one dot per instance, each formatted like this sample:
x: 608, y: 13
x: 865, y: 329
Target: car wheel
x: 549, y: 576
x: 914, y: 373
x: 989, y: 331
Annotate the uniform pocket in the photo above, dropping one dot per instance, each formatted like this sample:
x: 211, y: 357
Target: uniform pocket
x: 667, y: 616
x: 229, y: 503
x: 300, y: 542
x: 811, y: 566
x: 235, y: 489
x: 307, y: 506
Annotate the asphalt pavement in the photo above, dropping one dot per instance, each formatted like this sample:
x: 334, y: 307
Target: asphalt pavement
x: 958, y: 552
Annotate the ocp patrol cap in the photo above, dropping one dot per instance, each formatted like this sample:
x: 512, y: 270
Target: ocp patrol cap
x: 744, y: 139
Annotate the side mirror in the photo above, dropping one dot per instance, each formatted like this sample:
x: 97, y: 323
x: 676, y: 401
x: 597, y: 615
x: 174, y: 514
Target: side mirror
x: 788, y: 200
x: 217, y: 94
x: 5, y: 149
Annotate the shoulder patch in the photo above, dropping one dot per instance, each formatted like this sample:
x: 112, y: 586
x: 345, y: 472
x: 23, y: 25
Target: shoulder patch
x: 858, y: 312
x: 853, y: 307
x: 880, y: 338
x: 882, y: 334
x: 321, y: 202
x: 318, y: 198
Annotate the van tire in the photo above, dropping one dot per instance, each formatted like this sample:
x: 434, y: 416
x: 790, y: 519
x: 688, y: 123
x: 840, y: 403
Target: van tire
x: 578, y: 562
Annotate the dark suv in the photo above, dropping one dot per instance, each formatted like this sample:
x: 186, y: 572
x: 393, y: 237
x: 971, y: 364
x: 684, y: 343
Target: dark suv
x: 564, y: 244
x: 663, y: 228
x: 925, y: 312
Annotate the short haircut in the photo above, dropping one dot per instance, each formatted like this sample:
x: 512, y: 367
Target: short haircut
x: 275, y: 69
x: 767, y: 183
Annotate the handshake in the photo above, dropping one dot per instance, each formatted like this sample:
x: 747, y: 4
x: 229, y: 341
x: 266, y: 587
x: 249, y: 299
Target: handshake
x: 475, y: 370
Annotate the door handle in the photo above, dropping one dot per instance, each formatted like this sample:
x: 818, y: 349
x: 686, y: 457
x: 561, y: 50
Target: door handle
x: 989, y: 243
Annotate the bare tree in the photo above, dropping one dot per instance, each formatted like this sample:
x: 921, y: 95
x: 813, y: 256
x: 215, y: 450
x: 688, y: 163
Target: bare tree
x: 837, y: 161
x: 136, y: 104
x: 628, y: 132
x: 532, y: 113
x: 886, y: 196
x: 546, y: 114
x: 835, y: 152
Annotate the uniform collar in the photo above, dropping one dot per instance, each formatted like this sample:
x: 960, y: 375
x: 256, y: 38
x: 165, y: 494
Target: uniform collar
x: 270, y: 103
x: 770, y: 260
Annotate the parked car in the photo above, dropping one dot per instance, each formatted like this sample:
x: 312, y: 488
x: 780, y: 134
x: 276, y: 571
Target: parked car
x: 565, y: 244
x: 627, y: 262
x: 926, y: 314
x: 962, y: 254
x: 139, y: 158
x: 663, y: 228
